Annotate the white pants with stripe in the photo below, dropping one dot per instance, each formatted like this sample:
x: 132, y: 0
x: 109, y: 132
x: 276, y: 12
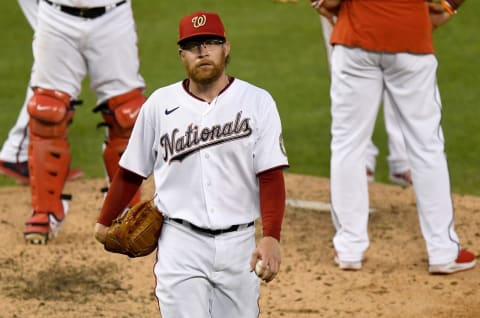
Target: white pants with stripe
x: 66, y: 48
x: 202, y: 276
x: 397, y: 154
x: 359, y: 78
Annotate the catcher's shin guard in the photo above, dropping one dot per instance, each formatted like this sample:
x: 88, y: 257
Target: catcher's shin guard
x: 48, y: 161
x: 119, y: 114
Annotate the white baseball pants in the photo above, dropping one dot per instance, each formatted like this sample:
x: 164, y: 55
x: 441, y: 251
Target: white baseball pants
x: 397, y: 157
x: 205, y: 276
x: 67, y: 48
x: 359, y: 78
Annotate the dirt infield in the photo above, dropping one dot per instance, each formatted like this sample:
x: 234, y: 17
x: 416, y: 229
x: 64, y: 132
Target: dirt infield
x: 74, y: 277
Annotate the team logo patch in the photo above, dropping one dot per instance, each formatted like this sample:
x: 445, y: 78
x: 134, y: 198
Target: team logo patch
x: 282, y: 145
x: 199, y: 21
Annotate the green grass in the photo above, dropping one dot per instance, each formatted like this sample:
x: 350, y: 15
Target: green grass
x: 278, y: 47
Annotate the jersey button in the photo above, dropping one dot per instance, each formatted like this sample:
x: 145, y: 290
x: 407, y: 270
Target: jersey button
x: 207, y: 156
x: 209, y: 183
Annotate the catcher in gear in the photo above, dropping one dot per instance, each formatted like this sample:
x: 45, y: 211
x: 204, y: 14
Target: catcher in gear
x: 214, y: 146
x: 100, y: 41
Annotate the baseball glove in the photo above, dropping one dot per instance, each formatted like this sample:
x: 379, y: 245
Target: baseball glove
x: 136, y: 232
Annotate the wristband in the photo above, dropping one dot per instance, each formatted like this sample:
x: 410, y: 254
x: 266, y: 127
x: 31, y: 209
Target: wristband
x: 453, y: 4
x: 448, y: 7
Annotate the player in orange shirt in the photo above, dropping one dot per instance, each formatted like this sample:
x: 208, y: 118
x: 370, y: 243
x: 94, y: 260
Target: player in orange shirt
x: 387, y: 45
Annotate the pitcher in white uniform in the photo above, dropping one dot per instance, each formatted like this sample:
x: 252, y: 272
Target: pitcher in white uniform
x: 214, y: 146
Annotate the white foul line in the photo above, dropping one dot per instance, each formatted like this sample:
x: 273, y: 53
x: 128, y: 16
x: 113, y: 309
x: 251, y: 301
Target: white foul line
x: 313, y: 205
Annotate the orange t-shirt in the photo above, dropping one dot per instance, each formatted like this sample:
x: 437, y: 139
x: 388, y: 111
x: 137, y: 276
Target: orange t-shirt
x: 384, y: 26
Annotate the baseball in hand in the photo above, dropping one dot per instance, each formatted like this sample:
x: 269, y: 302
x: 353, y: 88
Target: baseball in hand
x: 258, y: 267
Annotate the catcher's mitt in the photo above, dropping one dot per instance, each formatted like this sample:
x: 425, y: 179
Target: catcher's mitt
x: 136, y: 232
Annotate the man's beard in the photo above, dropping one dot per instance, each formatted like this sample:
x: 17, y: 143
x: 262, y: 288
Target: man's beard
x: 208, y: 75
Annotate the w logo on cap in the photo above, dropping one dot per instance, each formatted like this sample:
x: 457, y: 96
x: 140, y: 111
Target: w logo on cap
x: 199, y: 21
x: 200, y: 24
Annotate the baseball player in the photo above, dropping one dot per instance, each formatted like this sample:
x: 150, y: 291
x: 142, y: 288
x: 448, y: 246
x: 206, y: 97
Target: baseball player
x: 397, y: 160
x: 371, y: 54
x: 214, y: 146
x: 74, y: 38
x: 14, y: 152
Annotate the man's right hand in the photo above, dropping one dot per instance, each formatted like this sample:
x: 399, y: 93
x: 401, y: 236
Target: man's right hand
x: 100, y: 232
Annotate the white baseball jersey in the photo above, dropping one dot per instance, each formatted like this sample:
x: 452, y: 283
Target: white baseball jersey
x: 205, y: 157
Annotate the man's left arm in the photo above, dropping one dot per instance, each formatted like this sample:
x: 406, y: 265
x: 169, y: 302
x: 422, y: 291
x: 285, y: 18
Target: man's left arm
x: 272, y: 206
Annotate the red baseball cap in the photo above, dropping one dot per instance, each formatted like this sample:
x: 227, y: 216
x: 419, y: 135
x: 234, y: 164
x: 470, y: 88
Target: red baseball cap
x: 200, y: 23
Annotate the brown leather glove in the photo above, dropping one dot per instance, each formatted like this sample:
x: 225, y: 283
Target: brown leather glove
x: 136, y: 232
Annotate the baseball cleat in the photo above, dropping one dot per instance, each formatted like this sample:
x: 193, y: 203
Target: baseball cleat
x: 465, y: 260
x: 37, y: 229
x: 403, y: 179
x: 348, y: 265
x: 41, y: 227
x: 19, y: 171
x: 54, y: 223
x: 36, y: 238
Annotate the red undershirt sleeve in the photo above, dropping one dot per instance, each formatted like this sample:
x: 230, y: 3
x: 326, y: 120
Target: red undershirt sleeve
x: 272, y: 201
x: 122, y: 189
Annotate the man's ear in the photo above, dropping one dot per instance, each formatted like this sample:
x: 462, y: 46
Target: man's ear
x: 181, y: 54
x: 226, y: 46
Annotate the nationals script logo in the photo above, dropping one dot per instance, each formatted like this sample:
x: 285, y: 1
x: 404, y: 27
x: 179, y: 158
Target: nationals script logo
x: 178, y: 147
x: 199, y: 21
